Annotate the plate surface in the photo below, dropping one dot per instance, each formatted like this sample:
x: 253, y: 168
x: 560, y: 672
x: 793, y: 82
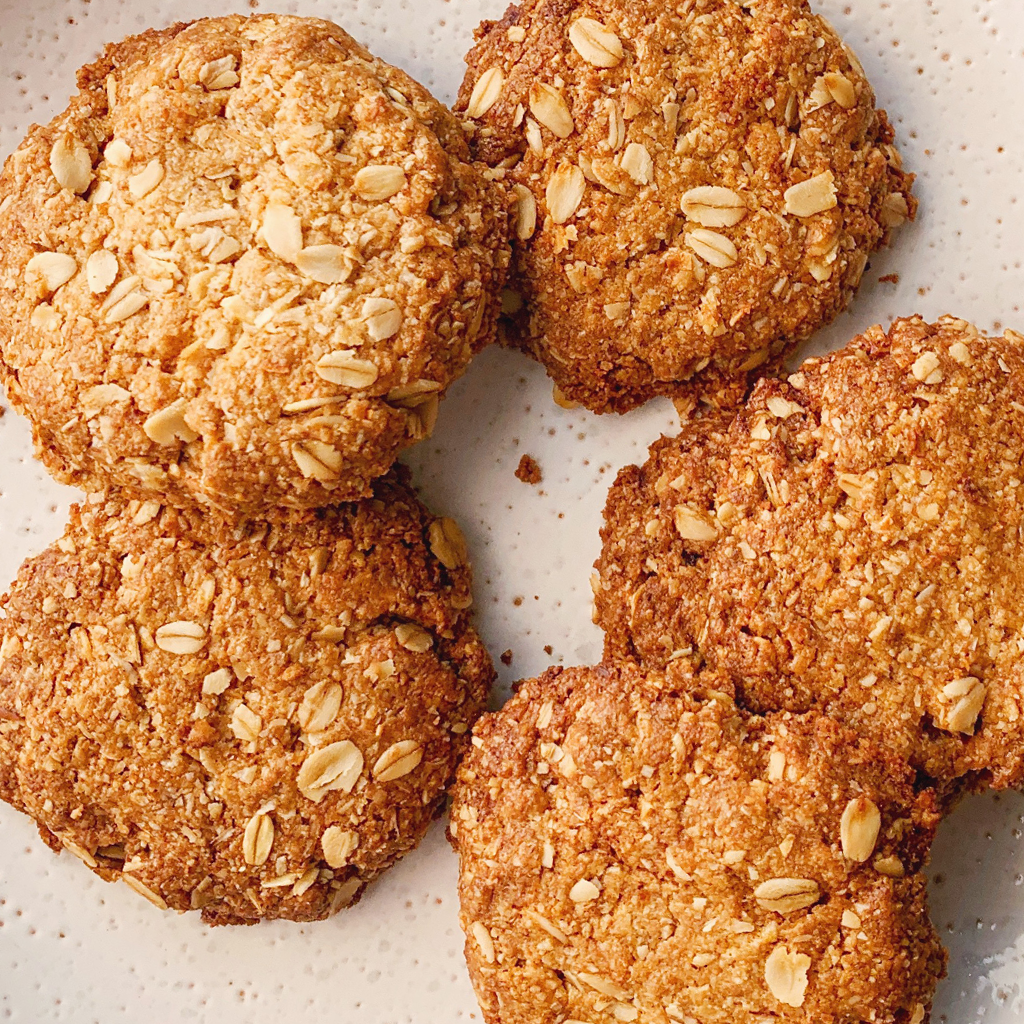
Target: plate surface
x: 73, y: 948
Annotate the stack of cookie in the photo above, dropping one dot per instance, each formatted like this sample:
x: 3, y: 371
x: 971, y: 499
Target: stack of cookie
x: 811, y: 595
x: 238, y: 274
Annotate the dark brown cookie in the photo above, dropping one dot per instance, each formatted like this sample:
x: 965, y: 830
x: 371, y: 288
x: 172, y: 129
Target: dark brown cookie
x: 700, y: 187
x: 253, y: 722
x: 851, y: 541
x: 628, y: 853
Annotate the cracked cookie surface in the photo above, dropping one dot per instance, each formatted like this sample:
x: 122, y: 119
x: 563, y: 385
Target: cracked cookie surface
x: 699, y: 187
x: 850, y: 541
x: 242, y: 266
x: 254, y: 721
x: 628, y: 853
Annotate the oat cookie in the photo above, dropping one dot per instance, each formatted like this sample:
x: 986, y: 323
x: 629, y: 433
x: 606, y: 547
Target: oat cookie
x: 851, y: 541
x: 242, y: 266
x: 628, y: 853
x: 699, y: 187
x: 254, y: 721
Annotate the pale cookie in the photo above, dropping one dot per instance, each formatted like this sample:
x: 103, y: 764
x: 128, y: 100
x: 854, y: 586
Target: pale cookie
x: 699, y: 187
x: 851, y: 541
x: 242, y: 267
x: 628, y: 853
x: 254, y: 722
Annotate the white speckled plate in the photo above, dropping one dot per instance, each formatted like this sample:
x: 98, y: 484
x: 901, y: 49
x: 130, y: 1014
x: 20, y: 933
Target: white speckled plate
x: 73, y: 948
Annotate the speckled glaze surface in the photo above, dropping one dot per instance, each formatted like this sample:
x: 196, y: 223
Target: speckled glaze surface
x: 73, y: 948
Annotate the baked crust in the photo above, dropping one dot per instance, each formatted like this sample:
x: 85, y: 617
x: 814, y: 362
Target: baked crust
x: 176, y: 695
x: 700, y: 187
x: 242, y: 266
x: 630, y: 853
x: 849, y: 541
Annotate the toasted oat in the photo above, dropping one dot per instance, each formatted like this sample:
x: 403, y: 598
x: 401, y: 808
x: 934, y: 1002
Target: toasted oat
x: 383, y: 318
x: 52, y: 268
x: 526, y: 212
x: 398, y: 760
x: 317, y: 460
x: 217, y: 681
x: 167, y: 426
x: 101, y: 271
x: 787, y: 895
x: 926, y: 368
x: 891, y: 867
x: 694, y: 525
x: 258, y: 839
x: 638, y: 163
x: 484, y: 941
x: 713, y: 206
x: 859, y: 828
x: 564, y: 192
x: 140, y: 185
x: 320, y: 706
x: 448, y: 543
x: 548, y: 106
x: 813, y: 196
x: 97, y: 398
x: 282, y: 231
x: 345, y: 368
x: 334, y: 767
x: 595, y: 43
x: 968, y: 699
x: 181, y: 637
x: 841, y: 89
x: 785, y: 974
x: 327, y: 264
x: 485, y: 93
x: 413, y: 638
x: 246, y: 724
x: 338, y: 845
x: 895, y: 210
x: 220, y: 73
x: 377, y: 182
x: 584, y: 891
x: 71, y: 164
x: 144, y: 891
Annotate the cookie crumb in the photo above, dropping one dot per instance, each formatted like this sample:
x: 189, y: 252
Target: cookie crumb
x: 506, y: 657
x: 548, y: 650
x: 890, y: 278
x: 529, y: 470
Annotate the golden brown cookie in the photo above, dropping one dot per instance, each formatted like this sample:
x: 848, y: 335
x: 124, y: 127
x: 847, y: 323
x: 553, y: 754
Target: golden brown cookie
x: 850, y: 541
x: 242, y: 266
x: 700, y: 186
x: 253, y: 721
x: 629, y: 853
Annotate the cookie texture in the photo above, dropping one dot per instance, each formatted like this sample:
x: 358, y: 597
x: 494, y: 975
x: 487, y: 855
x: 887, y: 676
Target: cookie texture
x: 242, y: 266
x: 629, y: 853
x: 254, y: 721
x: 850, y: 541
x: 699, y: 187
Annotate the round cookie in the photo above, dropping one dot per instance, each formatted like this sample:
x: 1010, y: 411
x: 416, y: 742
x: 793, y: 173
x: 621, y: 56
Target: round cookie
x: 252, y: 722
x: 850, y: 541
x: 242, y: 266
x: 700, y: 187
x: 628, y: 853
